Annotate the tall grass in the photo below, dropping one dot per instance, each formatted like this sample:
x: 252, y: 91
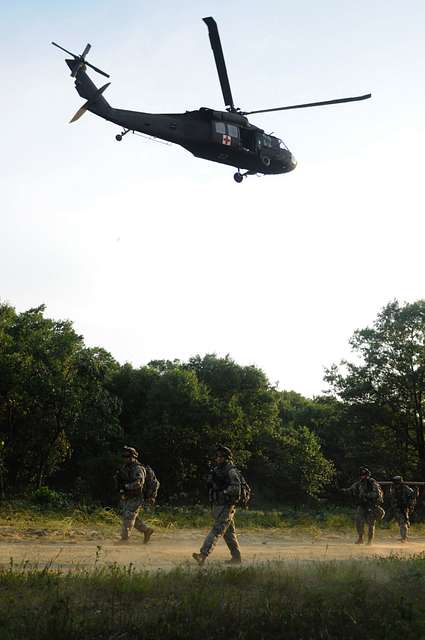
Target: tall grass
x: 374, y: 599
x: 105, y: 522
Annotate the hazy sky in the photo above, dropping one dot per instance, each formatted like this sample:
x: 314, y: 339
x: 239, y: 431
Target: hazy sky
x: 156, y: 254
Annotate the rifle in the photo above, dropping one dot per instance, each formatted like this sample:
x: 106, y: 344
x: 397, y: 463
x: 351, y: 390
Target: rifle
x: 119, y: 481
x: 385, y: 483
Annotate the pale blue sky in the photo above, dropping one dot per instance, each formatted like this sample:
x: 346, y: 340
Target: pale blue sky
x: 155, y: 254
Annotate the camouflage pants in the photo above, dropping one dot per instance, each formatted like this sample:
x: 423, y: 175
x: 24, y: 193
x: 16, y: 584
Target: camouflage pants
x: 130, y: 517
x: 224, y: 525
x: 402, y: 517
x: 368, y: 515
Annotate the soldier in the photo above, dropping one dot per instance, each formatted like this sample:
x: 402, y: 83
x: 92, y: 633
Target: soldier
x: 131, y: 479
x: 369, y: 498
x: 224, y: 488
x: 403, y: 500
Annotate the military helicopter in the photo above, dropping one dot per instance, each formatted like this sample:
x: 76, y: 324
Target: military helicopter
x: 226, y: 136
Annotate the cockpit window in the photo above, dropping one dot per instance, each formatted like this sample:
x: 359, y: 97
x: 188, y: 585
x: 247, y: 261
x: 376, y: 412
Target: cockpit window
x: 220, y: 127
x: 267, y: 141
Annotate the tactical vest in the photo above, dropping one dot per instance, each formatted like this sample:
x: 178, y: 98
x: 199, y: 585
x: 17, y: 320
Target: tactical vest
x: 220, y: 477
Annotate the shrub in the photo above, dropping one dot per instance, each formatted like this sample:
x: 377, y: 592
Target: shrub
x: 49, y: 498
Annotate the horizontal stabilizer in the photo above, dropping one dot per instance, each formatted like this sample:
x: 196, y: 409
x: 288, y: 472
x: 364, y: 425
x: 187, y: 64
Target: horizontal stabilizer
x: 89, y: 103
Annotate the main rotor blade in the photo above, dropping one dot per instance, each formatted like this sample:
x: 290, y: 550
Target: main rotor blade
x: 310, y: 104
x: 66, y: 50
x: 219, y: 61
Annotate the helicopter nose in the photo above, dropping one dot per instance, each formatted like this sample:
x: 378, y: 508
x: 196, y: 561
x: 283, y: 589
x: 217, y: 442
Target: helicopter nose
x: 289, y: 163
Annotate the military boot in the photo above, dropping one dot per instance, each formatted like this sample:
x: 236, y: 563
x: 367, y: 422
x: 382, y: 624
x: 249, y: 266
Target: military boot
x: 235, y: 559
x: 359, y: 540
x: 370, y: 539
x: 147, y: 535
x: 200, y: 558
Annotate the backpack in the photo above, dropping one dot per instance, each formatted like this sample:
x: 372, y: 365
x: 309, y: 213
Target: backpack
x: 411, y: 501
x: 151, y: 486
x: 245, y: 495
x: 380, y: 499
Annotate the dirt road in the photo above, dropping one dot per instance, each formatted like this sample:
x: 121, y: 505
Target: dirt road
x: 168, y: 550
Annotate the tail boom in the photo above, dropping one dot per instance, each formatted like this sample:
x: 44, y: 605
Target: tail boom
x: 86, y: 88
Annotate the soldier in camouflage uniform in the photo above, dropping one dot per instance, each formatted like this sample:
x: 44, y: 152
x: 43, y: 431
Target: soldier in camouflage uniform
x: 224, y: 489
x: 369, y: 498
x: 402, y: 503
x: 130, y: 479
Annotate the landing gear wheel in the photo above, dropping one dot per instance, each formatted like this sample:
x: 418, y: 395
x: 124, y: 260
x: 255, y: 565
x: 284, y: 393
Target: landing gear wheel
x: 238, y: 177
x: 121, y: 135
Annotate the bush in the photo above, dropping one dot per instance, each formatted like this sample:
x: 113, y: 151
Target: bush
x: 49, y: 498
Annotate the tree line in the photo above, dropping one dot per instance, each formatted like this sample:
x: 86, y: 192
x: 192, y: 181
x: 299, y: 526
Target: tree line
x: 67, y: 409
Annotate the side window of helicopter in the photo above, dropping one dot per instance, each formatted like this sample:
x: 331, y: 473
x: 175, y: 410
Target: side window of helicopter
x: 226, y: 129
x: 220, y: 127
x: 232, y: 131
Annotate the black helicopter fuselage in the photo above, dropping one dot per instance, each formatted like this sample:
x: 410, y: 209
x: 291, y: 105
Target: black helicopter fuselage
x: 220, y: 136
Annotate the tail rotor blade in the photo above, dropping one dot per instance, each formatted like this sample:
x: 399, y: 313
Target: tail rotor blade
x: 66, y: 50
x: 86, y: 50
x: 96, y: 69
x: 81, y: 60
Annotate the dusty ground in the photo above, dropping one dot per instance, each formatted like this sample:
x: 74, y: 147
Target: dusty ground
x: 168, y: 550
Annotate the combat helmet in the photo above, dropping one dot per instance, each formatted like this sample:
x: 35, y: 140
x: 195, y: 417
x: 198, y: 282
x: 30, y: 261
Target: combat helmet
x: 224, y: 451
x: 130, y: 452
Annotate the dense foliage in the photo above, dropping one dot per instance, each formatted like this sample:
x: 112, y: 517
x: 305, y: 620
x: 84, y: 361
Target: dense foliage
x: 66, y: 409
x: 383, y: 392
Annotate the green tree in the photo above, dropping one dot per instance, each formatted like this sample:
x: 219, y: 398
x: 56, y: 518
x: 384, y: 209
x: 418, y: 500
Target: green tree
x: 289, y: 465
x: 177, y: 412
x: 52, y: 393
x: 384, y: 391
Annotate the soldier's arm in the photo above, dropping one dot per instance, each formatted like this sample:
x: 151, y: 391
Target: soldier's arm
x: 138, y: 475
x: 352, y: 489
x: 409, y: 494
x: 233, y: 491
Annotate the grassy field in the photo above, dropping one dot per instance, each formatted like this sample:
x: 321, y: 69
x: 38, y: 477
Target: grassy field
x: 374, y: 599
x: 369, y: 598
x: 74, y: 522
